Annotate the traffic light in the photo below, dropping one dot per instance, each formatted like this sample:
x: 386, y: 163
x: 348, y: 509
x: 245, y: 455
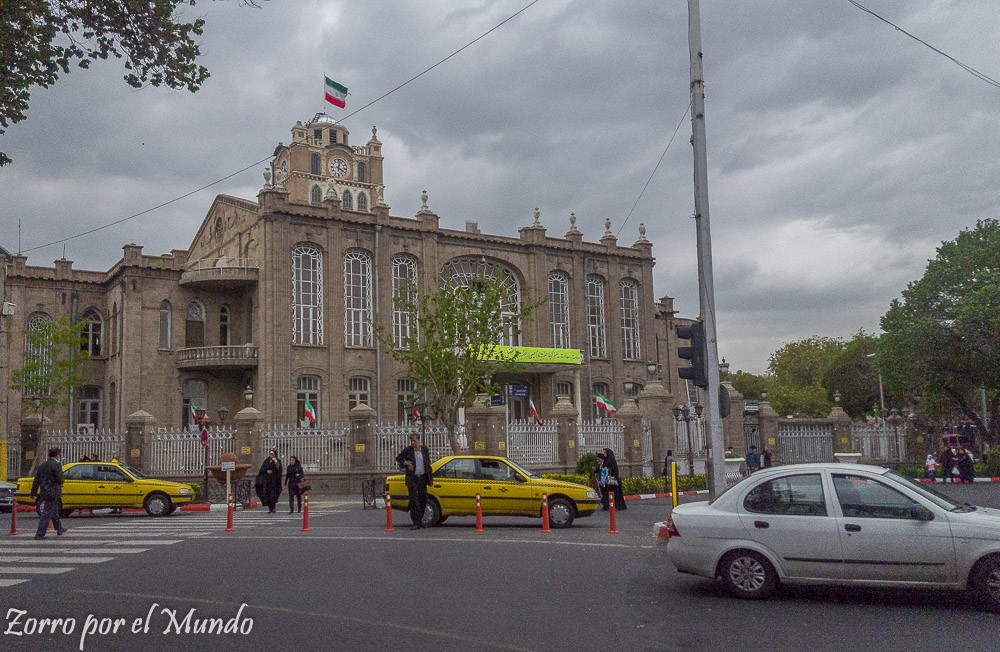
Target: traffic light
x: 695, y: 353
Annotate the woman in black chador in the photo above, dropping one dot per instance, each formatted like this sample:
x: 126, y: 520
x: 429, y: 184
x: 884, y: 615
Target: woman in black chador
x: 268, y: 483
x: 614, y: 481
x: 293, y: 473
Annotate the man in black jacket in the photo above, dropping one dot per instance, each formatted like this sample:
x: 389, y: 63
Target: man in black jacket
x: 416, y: 461
x: 48, y: 487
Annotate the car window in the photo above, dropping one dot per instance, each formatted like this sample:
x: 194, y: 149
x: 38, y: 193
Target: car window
x: 80, y: 472
x: 497, y: 470
x: 109, y: 474
x: 460, y: 469
x: 863, y: 497
x: 797, y: 495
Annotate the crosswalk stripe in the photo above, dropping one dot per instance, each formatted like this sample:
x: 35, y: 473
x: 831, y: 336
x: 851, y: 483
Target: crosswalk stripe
x: 41, y: 570
x: 5, y: 550
x: 11, y: 582
x: 45, y: 559
x: 28, y: 541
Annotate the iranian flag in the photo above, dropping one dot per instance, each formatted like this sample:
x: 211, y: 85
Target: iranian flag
x: 604, y: 403
x: 416, y: 413
x: 194, y: 413
x: 533, y: 412
x: 309, y: 413
x: 335, y: 93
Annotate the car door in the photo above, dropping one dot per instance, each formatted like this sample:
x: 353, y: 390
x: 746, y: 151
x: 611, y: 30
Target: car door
x: 455, y: 486
x: 884, y: 540
x: 114, y: 488
x: 79, y: 486
x: 790, y: 516
x: 505, y: 491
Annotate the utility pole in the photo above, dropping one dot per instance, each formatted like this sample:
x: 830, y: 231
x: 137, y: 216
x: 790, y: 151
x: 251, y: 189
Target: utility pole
x: 715, y: 469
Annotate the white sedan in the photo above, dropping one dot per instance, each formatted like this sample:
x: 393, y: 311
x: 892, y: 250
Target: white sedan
x: 846, y: 524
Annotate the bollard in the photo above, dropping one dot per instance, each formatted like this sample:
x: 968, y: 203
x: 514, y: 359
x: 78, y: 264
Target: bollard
x: 545, y: 513
x: 13, y: 519
x: 305, y: 512
x: 229, y: 513
x: 388, y: 512
x: 479, y: 514
x: 613, y: 529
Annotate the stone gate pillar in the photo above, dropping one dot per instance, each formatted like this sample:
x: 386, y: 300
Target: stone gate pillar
x: 841, y: 430
x: 565, y: 415
x: 769, y: 430
x: 632, y: 437
x: 655, y: 404
x: 32, y: 443
x: 362, y: 453
x: 137, y: 446
x: 486, y: 427
x: 247, y: 439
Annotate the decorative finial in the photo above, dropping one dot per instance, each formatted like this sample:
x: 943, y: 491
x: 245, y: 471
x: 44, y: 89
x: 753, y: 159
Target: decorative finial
x: 374, y: 130
x: 572, y: 220
x: 607, y: 226
x: 642, y: 232
x: 538, y: 216
x: 267, y: 177
x: 331, y: 192
x: 423, y: 201
x: 380, y: 193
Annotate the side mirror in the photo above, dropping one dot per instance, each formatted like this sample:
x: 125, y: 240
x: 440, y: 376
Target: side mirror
x: 921, y: 513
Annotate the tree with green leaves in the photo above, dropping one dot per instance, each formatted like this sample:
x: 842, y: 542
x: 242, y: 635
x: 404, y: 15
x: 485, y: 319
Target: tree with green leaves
x: 455, y: 349
x: 941, y: 341
x: 41, y: 39
x: 851, y: 372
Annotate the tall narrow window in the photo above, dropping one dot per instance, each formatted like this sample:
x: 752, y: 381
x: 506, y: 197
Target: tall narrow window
x: 362, y: 201
x: 314, y: 164
x: 362, y: 173
x: 404, y: 396
x: 316, y: 195
x: 357, y: 298
x: 37, y: 354
x: 165, y: 324
x: 630, y: 320
x: 595, y: 317
x: 564, y: 388
x: 347, y: 202
x: 114, y: 328
x: 559, y: 309
x: 225, y: 326
x: 194, y: 396
x: 307, y: 295
x: 307, y: 389
x: 404, y: 280
x: 92, y: 333
x: 358, y: 392
x: 602, y: 389
x: 194, y: 325
x: 89, y: 406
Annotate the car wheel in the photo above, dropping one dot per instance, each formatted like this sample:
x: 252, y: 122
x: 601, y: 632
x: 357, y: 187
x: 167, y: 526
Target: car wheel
x: 561, y: 512
x: 64, y: 513
x: 432, y: 513
x: 986, y: 583
x: 747, y: 574
x: 442, y: 519
x: 157, y: 505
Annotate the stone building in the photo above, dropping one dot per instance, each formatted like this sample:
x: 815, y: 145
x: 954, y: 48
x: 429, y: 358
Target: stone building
x: 281, y: 294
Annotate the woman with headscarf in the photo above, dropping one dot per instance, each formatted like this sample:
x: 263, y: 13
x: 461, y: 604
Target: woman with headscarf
x: 614, y: 481
x: 293, y: 474
x: 268, y: 483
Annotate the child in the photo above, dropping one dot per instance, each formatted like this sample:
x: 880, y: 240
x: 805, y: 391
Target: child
x: 931, y: 465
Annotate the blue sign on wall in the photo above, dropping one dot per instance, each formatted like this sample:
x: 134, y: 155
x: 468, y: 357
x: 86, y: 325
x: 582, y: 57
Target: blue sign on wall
x: 517, y: 390
x: 496, y: 399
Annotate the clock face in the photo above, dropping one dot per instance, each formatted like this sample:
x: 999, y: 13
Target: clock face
x: 338, y: 167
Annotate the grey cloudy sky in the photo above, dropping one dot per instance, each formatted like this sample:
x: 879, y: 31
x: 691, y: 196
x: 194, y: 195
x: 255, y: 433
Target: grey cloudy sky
x: 841, y: 152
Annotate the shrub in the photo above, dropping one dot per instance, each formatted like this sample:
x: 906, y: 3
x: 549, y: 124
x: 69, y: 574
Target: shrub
x: 644, y: 485
x: 196, y: 490
x: 586, y: 464
x: 569, y: 477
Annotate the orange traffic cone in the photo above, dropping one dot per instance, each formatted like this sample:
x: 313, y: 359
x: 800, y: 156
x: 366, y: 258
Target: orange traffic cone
x: 229, y: 513
x: 613, y: 529
x: 305, y: 512
x: 479, y: 514
x: 388, y: 513
x: 13, y: 520
x: 545, y: 513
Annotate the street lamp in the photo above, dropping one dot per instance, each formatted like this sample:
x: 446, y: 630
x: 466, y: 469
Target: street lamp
x: 223, y: 413
x: 203, y: 420
x: 248, y: 396
x: 651, y: 369
x: 684, y: 413
x: 723, y: 368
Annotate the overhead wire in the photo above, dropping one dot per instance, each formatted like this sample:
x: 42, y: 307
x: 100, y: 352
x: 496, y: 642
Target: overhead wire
x: 267, y: 158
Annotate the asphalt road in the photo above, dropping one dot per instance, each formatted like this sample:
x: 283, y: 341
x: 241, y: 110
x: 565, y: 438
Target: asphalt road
x: 348, y: 584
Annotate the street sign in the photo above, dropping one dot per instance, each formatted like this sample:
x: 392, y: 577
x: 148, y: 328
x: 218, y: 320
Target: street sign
x: 497, y: 400
x: 229, y: 466
x: 517, y: 390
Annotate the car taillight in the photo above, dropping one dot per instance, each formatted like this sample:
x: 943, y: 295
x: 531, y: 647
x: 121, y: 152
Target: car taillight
x: 671, y: 528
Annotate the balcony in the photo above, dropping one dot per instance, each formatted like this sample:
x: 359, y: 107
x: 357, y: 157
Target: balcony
x: 220, y: 272
x: 241, y: 356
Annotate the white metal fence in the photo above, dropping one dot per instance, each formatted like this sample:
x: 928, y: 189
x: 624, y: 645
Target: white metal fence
x: 390, y: 439
x: 97, y: 445
x: 879, y: 442
x: 317, y: 449
x: 176, y: 452
x: 13, y: 456
x: 805, y: 442
x: 529, y: 443
x: 595, y: 436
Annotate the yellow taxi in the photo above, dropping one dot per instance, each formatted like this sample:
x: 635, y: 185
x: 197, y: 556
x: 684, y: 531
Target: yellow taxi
x: 94, y: 485
x: 505, y: 489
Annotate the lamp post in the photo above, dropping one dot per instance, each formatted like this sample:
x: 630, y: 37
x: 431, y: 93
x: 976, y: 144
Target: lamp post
x: 203, y: 420
x: 248, y: 396
x: 651, y: 368
x: 684, y: 413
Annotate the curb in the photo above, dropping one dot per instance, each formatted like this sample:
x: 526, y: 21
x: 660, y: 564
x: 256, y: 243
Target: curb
x: 195, y: 507
x: 941, y: 481
x: 691, y: 492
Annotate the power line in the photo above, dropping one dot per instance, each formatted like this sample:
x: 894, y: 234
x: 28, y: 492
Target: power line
x: 983, y: 76
x: 267, y: 158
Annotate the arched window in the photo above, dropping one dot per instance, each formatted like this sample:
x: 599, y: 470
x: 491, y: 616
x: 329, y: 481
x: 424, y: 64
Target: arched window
x: 559, y: 309
x: 362, y: 172
x: 316, y: 194
x: 630, y: 319
x: 359, y: 391
x: 357, y: 298
x: 306, y: 390
x: 113, y: 348
x: 37, y: 354
x: 347, y: 201
x: 463, y: 272
x: 194, y: 325
x: 314, y: 166
x: 362, y: 201
x: 224, y: 326
x: 596, y: 336
x: 165, y: 324
x: 404, y: 294
x: 194, y: 397
x: 89, y: 406
x: 93, y: 331
x: 307, y: 295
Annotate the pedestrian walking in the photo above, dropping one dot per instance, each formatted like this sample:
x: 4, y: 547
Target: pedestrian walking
x: 668, y: 463
x: 612, y: 480
x: 293, y: 475
x: 965, y: 464
x: 931, y: 465
x: 415, y: 460
x: 947, y: 458
x: 268, y: 482
x: 765, y: 458
x: 47, y: 488
x: 753, y: 459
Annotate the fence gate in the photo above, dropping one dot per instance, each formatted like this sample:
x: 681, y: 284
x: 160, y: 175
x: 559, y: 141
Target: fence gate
x: 800, y: 443
x: 531, y: 444
x: 595, y: 436
x: 317, y: 449
x: 880, y: 442
x: 751, y: 425
x: 649, y: 465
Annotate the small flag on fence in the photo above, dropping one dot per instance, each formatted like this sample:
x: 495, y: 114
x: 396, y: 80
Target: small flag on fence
x: 533, y: 411
x: 605, y: 403
x: 309, y: 413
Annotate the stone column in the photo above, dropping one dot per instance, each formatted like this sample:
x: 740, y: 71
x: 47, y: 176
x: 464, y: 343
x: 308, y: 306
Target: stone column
x: 732, y: 426
x: 632, y: 437
x: 486, y: 427
x: 137, y: 449
x: 362, y: 442
x: 31, y: 443
x: 769, y: 431
x: 841, y: 430
x: 655, y: 405
x: 247, y: 440
x: 566, y: 415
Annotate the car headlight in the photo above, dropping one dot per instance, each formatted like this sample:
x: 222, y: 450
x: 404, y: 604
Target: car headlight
x: 184, y: 491
x: 591, y: 494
